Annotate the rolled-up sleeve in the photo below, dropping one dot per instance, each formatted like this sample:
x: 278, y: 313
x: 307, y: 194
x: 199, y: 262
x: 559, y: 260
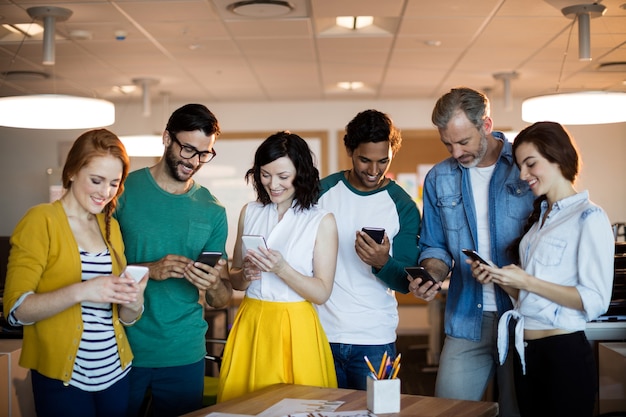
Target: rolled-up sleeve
x: 596, y: 253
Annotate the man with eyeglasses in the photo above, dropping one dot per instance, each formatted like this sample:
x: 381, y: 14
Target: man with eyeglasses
x: 167, y: 220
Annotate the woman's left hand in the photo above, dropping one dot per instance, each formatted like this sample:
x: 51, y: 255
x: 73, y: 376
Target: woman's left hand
x: 267, y: 260
x: 510, y: 276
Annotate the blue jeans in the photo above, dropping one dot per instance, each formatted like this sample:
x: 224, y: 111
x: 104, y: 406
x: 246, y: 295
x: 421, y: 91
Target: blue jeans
x: 53, y: 399
x: 352, y: 371
x: 466, y: 367
x: 172, y: 390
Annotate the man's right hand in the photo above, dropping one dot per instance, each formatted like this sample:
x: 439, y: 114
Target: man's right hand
x: 170, y: 266
x: 428, y: 290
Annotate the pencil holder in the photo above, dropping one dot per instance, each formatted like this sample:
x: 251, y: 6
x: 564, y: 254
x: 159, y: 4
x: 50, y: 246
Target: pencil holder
x: 383, y: 396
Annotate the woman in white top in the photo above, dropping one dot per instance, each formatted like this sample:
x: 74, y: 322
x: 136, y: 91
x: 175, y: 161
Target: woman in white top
x: 277, y: 336
x: 564, y: 279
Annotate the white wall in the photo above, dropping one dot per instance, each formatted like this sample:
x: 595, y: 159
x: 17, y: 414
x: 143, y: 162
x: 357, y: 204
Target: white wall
x: 26, y: 154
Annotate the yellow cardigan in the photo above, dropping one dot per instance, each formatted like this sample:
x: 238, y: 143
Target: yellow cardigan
x: 44, y: 257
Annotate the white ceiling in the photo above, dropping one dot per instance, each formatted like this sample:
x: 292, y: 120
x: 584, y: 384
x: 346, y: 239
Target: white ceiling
x: 196, y: 49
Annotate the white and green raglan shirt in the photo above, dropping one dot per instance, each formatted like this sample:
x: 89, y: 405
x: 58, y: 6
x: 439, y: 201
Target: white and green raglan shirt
x: 362, y: 308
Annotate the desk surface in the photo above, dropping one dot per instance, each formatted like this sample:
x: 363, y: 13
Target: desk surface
x: 410, y: 405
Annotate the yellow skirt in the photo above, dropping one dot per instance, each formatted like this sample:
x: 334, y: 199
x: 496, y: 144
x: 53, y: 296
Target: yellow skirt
x: 275, y: 342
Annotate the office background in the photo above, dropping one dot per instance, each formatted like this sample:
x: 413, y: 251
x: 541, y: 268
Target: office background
x: 26, y: 155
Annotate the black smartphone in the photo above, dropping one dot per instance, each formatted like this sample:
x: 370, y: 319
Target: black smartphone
x: 209, y: 258
x: 420, y: 272
x: 476, y: 257
x: 376, y: 233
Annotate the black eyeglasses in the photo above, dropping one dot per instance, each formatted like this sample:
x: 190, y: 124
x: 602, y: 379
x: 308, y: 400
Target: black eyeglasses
x: 188, y: 152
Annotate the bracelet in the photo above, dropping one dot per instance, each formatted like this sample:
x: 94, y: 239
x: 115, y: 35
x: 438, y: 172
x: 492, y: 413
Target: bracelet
x: 134, y: 321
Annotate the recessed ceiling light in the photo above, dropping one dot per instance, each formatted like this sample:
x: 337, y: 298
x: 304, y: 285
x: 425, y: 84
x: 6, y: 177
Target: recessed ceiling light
x: 28, y: 29
x: 432, y: 43
x: 125, y: 89
x: 350, y: 85
x: 354, y: 22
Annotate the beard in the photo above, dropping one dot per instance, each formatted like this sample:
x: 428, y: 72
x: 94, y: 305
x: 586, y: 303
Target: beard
x: 172, y: 161
x: 482, y: 151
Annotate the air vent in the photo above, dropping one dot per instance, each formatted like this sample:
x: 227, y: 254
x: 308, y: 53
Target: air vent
x: 231, y: 10
x: 24, y: 75
x: 261, y: 8
x: 618, y: 66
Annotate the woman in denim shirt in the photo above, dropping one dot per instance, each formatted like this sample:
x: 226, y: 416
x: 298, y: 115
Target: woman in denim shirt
x: 564, y: 279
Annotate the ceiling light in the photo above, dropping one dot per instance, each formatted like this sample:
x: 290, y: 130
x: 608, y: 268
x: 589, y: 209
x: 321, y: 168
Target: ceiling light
x: 506, y: 78
x: 582, y: 108
x: 354, y: 22
x: 54, y: 111
x: 143, y: 145
x: 49, y: 15
x: 145, y: 84
x: 432, y: 42
x: 350, y: 85
x: 125, y: 89
x: 584, y: 13
x: 28, y: 29
x: 577, y: 108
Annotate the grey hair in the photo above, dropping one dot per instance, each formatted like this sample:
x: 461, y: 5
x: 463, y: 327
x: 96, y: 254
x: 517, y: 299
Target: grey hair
x: 473, y: 103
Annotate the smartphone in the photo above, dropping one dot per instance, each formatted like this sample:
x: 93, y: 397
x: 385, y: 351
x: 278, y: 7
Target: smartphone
x: 136, y: 272
x: 209, y: 258
x: 252, y: 242
x: 476, y: 257
x: 376, y: 233
x: 420, y: 272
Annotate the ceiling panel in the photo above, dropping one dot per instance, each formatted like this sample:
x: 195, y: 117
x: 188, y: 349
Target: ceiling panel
x: 198, y: 49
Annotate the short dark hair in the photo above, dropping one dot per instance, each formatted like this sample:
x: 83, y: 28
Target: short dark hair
x: 192, y: 117
x: 473, y: 103
x: 307, y: 180
x: 372, y: 126
x: 554, y: 143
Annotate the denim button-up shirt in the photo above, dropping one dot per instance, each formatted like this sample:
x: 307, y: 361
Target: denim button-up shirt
x: 449, y: 225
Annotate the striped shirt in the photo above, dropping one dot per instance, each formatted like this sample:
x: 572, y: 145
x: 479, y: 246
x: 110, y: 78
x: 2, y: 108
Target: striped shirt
x: 97, y: 364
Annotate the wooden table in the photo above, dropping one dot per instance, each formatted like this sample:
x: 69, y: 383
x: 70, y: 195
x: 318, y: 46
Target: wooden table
x: 410, y: 405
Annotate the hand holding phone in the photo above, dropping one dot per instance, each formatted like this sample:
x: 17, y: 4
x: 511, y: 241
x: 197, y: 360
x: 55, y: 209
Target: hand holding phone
x: 376, y: 233
x: 136, y: 272
x: 472, y: 254
x: 209, y: 258
x: 420, y: 272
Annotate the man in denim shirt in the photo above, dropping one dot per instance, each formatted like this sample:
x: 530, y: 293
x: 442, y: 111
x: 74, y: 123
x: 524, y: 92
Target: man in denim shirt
x: 475, y: 200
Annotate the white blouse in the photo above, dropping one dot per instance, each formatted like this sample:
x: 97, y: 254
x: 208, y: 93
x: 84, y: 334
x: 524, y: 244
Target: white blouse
x: 293, y: 236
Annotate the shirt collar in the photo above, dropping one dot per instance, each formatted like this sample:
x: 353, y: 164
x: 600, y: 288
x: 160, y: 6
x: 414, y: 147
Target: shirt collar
x: 567, y: 201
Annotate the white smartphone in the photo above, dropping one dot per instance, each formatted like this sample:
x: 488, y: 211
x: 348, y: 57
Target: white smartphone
x: 252, y: 242
x: 136, y: 272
